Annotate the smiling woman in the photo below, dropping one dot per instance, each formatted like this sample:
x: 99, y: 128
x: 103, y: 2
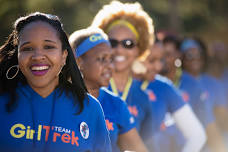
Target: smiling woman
x: 95, y: 59
x: 130, y: 30
x: 37, y: 100
x: 40, y: 56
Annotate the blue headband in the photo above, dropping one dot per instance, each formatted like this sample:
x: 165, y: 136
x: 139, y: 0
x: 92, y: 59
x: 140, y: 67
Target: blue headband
x: 89, y: 43
x: 189, y: 44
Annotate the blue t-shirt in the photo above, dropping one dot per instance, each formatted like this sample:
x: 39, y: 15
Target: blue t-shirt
x: 51, y: 124
x: 165, y: 98
x: 215, y: 90
x: 197, y: 97
x: 139, y: 106
x: 117, y: 116
x: 224, y: 80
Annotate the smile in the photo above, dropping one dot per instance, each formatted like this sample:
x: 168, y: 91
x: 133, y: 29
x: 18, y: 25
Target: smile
x: 39, y: 70
x: 120, y: 58
x: 107, y: 75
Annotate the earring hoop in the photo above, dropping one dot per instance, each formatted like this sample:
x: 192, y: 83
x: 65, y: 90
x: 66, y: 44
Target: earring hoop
x: 14, y: 66
x: 177, y: 63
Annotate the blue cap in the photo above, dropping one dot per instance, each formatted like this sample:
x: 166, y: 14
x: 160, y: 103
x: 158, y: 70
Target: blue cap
x: 89, y: 43
x: 189, y: 44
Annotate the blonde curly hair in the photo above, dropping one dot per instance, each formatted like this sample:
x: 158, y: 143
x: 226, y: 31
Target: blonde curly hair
x: 132, y: 13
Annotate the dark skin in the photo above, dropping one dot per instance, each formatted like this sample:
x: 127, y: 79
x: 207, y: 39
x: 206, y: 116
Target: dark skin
x: 192, y: 63
x: 170, y: 55
x: 97, y: 67
x: 40, y: 56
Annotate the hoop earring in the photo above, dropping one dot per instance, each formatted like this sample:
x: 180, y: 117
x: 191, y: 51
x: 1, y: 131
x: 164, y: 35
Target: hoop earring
x: 178, y: 63
x: 82, y: 75
x: 60, y: 71
x: 14, y: 66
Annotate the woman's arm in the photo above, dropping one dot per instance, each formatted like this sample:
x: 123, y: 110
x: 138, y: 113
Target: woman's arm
x: 191, y: 128
x: 131, y: 141
x: 215, y: 141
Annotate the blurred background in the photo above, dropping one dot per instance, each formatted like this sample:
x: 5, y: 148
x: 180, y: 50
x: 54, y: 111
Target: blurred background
x: 207, y: 19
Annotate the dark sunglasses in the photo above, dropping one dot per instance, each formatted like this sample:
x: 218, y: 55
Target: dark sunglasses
x: 127, y: 43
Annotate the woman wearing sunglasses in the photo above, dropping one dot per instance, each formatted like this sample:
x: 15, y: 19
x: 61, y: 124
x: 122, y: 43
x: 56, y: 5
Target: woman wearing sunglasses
x: 95, y: 59
x: 129, y: 29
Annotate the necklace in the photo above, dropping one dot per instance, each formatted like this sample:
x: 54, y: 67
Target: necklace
x: 126, y: 89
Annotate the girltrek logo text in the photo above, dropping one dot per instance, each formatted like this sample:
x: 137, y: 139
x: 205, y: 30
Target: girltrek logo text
x: 59, y: 134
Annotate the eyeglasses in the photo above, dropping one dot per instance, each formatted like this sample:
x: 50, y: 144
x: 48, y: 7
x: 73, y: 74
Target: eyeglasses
x: 189, y: 56
x: 127, y: 43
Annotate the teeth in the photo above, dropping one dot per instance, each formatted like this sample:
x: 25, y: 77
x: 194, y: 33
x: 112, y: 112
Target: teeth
x: 120, y: 58
x: 39, y: 68
x: 107, y: 75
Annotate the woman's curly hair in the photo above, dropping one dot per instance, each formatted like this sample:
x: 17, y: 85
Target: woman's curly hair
x: 131, y: 12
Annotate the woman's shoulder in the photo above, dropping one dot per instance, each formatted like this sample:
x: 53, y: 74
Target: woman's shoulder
x: 4, y: 99
x: 108, y: 95
x: 111, y: 102
x: 91, y: 103
x: 163, y: 80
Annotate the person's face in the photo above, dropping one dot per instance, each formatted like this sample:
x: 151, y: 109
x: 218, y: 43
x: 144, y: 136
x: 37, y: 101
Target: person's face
x: 154, y: 62
x: 97, y: 65
x: 40, y: 55
x: 124, y: 57
x: 170, y: 55
x: 192, y: 61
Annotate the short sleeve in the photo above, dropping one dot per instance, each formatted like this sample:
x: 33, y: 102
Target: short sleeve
x: 103, y: 143
x: 127, y: 121
x: 173, y: 98
x: 146, y: 130
x: 202, y: 107
x: 220, y: 95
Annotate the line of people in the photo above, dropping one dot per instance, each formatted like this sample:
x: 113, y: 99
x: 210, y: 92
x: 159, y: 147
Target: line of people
x: 109, y: 87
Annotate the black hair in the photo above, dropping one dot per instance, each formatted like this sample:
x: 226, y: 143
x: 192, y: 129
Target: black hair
x: 203, y: 52
x: 172, y: 39
x: 9, y: 53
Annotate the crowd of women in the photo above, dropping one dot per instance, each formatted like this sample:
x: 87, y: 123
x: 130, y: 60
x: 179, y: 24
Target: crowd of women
x: 114, y: 86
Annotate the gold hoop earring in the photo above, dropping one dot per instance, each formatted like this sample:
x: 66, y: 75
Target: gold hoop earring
x: 82, y: 75
x: 60, y: 71
x: 14, y: 66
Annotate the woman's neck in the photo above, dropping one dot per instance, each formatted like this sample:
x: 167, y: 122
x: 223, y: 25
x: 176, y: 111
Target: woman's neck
x: 121, y: 79
x: 46, y: 90
x: 92, y: 89
x: 172, y: 75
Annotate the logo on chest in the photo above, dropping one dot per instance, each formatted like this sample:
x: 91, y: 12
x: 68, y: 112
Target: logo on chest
x: 185, y: 96
x: 47, y: 133
x: 151, y: 95
x: 109, y: 125
x: 84, y: 130
x: 133, y: 110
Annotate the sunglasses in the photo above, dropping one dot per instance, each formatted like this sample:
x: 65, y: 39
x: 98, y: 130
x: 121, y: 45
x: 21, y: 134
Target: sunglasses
x: 127, y: 43
x: 189, y: 56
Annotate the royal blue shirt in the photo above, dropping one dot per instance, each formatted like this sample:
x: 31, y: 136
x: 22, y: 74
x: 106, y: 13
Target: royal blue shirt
x: 165, y: 98
x: 51, y: 124
x: 139, y: 106
x: 197, y: 97
x: 224, y: 81
x: 117, y: 116
x: 215, y: 90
